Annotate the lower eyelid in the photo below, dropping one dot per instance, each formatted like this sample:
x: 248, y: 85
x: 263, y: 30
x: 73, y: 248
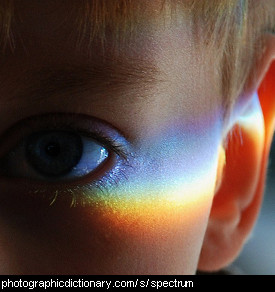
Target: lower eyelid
x: 85, y: 192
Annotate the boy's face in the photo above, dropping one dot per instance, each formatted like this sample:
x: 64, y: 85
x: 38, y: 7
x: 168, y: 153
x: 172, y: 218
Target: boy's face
x: 156, y: 97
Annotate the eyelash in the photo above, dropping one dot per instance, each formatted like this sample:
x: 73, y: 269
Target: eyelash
x: 80, y: 194
x: 107, y: 142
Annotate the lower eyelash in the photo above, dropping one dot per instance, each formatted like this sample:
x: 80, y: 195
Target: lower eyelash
x: 103, y: 188
x: 89, y: 195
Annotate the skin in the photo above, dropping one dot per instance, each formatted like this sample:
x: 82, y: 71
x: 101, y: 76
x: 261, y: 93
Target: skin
x: 153, y: 220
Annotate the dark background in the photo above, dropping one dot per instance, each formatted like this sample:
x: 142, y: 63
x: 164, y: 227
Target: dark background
x: 258, y: 255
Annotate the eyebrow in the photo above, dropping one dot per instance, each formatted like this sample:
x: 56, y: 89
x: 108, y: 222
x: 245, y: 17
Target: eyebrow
x: 98, y: 79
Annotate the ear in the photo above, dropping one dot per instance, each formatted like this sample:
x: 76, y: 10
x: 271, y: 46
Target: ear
x: 240, y: 182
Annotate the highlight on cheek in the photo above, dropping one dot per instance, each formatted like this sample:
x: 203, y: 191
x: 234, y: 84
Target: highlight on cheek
x: 179, y: 192
x: 159, y: 200
x: 153, y: 210
x: 170, y: 184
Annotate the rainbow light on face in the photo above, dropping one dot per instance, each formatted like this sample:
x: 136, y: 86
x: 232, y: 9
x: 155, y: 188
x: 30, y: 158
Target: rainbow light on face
x: 172, y: 182
x: 151, y: 207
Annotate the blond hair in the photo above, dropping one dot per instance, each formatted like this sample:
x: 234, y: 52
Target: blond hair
x: 233, y: 28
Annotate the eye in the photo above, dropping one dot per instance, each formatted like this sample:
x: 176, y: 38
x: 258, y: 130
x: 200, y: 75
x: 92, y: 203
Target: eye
x: 53, y: 154
x: 64, y: 153
x: 57, y: 154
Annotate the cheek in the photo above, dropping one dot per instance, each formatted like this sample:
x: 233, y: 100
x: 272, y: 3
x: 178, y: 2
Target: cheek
x: 154, y: 232
x: 158, y: 235
x: 152, y: 222
x: 158, y: 217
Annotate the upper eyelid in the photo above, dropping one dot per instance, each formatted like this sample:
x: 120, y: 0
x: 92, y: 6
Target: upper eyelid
x: 94, y: 128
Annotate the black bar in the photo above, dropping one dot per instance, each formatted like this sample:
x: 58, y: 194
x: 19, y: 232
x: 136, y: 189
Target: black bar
x: 156, y: 283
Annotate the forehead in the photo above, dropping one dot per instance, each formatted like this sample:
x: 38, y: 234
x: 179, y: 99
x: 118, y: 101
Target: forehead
x: 83, y: 25
x: 99, y: 31
x: 147, y: 64
x: 92, y: 17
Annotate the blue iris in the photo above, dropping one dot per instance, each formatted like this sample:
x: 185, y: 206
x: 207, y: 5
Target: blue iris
x: 56, y: 154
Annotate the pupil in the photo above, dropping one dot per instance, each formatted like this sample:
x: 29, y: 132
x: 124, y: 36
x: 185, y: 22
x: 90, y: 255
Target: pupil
x: 53, y: 149
x: 54, y: 153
